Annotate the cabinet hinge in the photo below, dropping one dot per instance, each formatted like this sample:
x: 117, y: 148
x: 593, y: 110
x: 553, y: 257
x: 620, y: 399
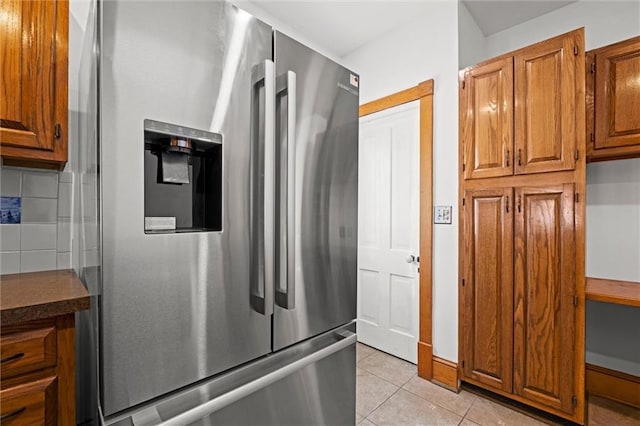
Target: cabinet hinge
x: 593, y: 138
x: 577, y: 197
x: 575, y: 300
x: 576, y: 155
x: 575, y: 50
x: 593, y: 67
x: 57, y: 130
x: 464, y: 83
x: 463, y: 201
x: 464, y: 167
x: 463, y: 364
x: 463, y: 282
x: 574, y: 399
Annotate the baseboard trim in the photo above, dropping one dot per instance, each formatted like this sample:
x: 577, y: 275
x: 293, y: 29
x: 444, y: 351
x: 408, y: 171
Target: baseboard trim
x: 614, y: 385
x: 425, y: 360
x: 445, y: 373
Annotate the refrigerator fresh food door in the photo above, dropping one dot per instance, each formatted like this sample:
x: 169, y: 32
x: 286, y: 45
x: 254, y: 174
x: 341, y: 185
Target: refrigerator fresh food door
x: 311, y: 383
x: 317, y: 193
x: 178, y: 307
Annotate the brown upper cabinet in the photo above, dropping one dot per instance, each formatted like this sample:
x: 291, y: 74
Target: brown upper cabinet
x: 488, y: 126
x: 613, y: 101
x: 520, y: 112
x: 33, y: 87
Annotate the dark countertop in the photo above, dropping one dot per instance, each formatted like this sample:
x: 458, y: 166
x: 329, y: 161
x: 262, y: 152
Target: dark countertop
x: 36, y: 295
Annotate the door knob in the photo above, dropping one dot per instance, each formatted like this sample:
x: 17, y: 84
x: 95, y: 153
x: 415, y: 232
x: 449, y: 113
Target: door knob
x: 413, y: 259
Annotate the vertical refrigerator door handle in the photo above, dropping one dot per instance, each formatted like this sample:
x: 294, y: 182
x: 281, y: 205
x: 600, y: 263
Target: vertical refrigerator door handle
x: 269, y: 182
x: 285, y: 295
x: 263, y: 189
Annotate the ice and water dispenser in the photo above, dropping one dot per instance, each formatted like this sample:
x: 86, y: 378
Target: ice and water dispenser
x: 182, y: 179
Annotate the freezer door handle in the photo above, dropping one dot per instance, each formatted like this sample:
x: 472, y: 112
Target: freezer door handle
x: 263, y: 189
x: 285, y: 293
x: 345, y: 339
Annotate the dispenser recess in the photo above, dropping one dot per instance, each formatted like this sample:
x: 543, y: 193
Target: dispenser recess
x: 182, y: 179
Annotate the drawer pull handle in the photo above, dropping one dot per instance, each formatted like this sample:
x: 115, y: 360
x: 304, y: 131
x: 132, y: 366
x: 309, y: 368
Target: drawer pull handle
x: 12, y: 357
x: 12, y: 414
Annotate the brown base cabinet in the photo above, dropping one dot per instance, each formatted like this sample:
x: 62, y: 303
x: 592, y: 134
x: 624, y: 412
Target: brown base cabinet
x: 518, y: 296
x: 37, y: 347
x: 38, y: 377
x: 522, y: 225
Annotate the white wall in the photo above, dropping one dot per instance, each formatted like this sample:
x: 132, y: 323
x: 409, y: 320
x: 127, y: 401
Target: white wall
x: 423, y: 49
x: 605, y: 21
x: 613, y: 187
x: 613, y: 251
x: 471, y: 41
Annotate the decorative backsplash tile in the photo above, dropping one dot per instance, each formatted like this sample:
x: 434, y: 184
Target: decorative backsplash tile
x: 37, y: 234
x: 10, y: 210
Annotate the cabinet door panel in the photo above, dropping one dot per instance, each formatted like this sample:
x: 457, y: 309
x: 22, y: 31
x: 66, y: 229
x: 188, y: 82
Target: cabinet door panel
x: 28, y: 46
x: 488, y: 128
x: 544, y: 289
x: 488, y: 291
x: 617, y: 94
x: 545, y: 111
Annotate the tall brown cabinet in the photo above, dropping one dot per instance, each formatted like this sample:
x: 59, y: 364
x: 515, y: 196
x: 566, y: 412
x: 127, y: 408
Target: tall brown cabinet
x: 522, y: 185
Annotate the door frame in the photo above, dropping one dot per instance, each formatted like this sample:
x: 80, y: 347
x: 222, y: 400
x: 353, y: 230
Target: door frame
x: 423, y: 92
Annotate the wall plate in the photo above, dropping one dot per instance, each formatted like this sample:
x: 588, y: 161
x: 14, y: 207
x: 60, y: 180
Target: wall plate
x: 442, y: 214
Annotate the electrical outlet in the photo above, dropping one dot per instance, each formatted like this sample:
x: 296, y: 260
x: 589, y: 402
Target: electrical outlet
x: 442, y: 214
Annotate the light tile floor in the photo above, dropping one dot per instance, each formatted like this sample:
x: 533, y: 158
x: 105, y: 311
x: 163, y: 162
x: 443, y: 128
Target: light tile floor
x: 389, y: 392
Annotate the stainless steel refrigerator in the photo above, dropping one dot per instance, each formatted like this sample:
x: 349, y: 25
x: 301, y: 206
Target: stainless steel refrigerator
x: 221, y: 158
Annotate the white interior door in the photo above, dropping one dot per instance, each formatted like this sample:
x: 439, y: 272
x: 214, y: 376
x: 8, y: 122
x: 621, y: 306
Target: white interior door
x: 388, y: 218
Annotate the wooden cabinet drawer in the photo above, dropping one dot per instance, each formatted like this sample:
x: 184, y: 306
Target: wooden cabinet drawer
x: 32, y: 403
x: 27, y: 348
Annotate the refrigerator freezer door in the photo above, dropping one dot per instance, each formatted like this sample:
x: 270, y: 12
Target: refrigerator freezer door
x: 316, y: 202
x: 311, y: 383
x: 180, y: 307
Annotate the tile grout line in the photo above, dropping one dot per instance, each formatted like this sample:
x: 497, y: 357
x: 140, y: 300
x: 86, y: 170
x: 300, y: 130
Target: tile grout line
x: 382, y: 378
x: 379, y: 405
x: 406, y: 390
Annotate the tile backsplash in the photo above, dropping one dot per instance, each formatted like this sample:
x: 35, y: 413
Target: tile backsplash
x: 42, y: 240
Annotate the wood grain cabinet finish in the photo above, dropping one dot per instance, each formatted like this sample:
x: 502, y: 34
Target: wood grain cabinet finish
x: 487, y: 294
x: 545, y: 99
x: 28, y: 350
x: 544, y: 311
x: 521, y: 186
x: 488, y: 130
x: 613, y: 101
x: 32, y: 403
x: 520, y: 110
x: 38, y: 372
x: 33, y: 82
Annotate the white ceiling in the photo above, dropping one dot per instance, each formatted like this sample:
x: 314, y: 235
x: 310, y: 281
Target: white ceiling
x: 342, y: 26
x: 494, y: 16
